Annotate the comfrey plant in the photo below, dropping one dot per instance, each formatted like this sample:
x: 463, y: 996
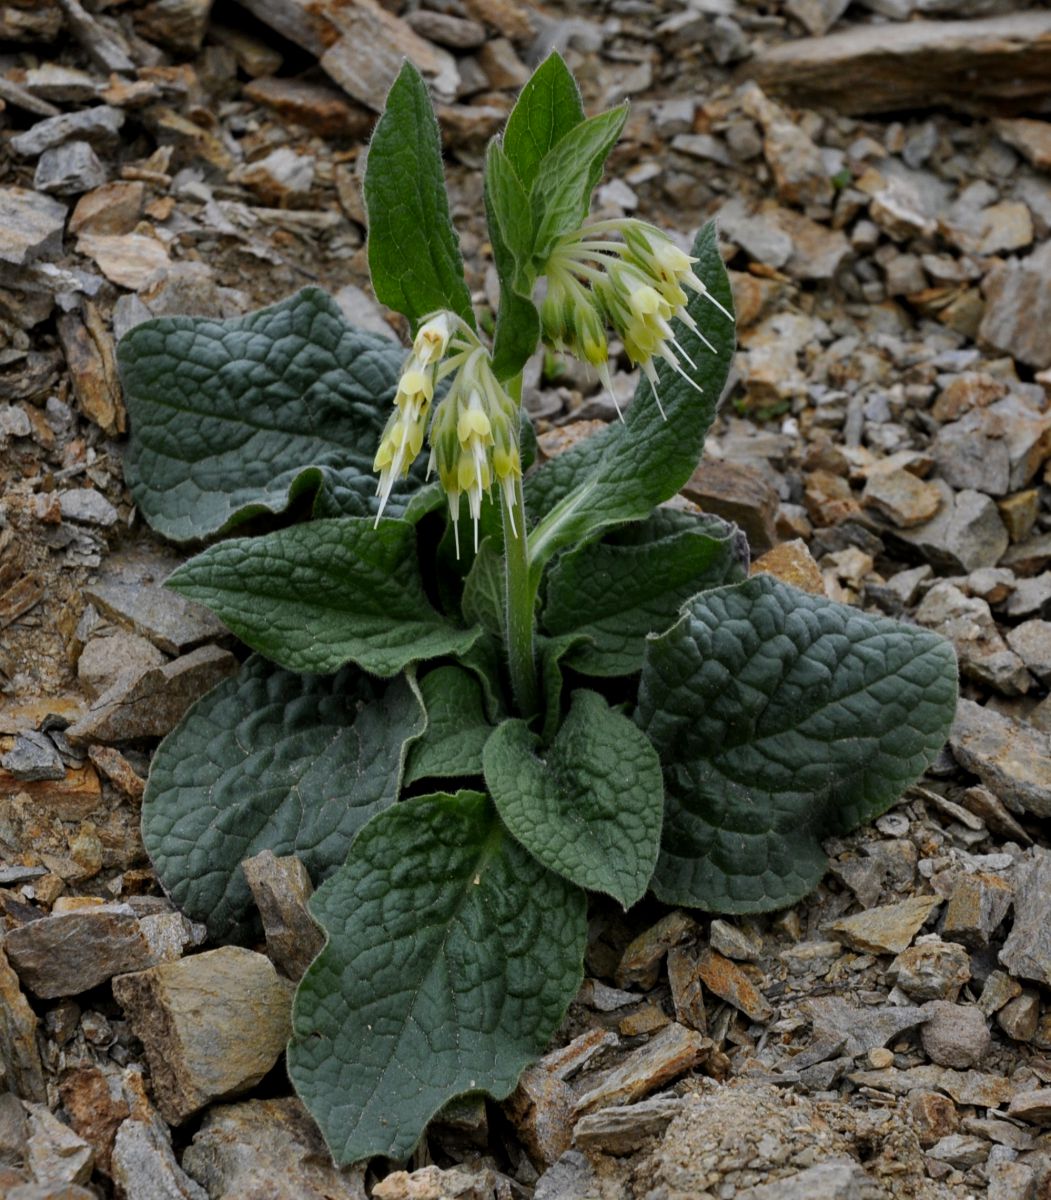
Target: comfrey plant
x: 481, y: 691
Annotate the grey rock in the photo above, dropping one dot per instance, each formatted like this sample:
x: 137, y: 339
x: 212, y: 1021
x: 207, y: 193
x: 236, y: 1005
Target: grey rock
x: 55, y: 1155
x: 1031, y: 597
x: 1020, y: 1016
x: 145, y: 1165
x: 625, y: 1129
x: 826, y: 1181
x: 931, y: 970
x: 960, y: 1150
x: 994, y: 450
x: 152, y: 704
x: 1017, y: 317
x: 13, y: 1130
x: 23, y: 1071
x: 99, y: 125
x: 169, y: 620
x: 733, y: 942
x: 862, y: 1028
x: 1027, y: 951
x: 1010, y: 758
x: 281, y: 888
x: 457, y: 33
x: 571, y: 1178
x: 361, y: 310
x: 977, y: 905
x: 968, y: 623
x: 1011, y: 1181
x: 266, y: 1149
x: 1031, y: 641
x: 759, y: 237
x: 88, y: 506
x: 670, y: 1053
x: 966, y: 534
x: 33, y: 756
x: 31, y: 226
x: 104, y: 660
x: 955, y: 1035
x: 69, y: 170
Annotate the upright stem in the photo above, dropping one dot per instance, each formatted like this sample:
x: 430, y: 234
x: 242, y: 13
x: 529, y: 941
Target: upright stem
x: 520, y: 597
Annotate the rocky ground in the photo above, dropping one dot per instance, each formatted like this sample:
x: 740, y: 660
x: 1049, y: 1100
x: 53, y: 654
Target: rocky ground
x: 881, y: 172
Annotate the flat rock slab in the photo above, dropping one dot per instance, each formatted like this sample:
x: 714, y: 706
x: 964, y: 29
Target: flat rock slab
x: 30, y: 226
x: 1027, y: 951
x: 859, y: 1028
x: 670, y: 1053
x: 23, y: 1072
x: 887, y: 929
x: 170, y: 621
x: 212, y: 1025
x: 99, y: 125
x: 626, y: 1128
x: 886, y: 68
x: 1010, y: 758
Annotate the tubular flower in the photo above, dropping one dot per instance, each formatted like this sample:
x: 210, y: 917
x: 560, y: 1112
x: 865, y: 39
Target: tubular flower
x: 637, y: 286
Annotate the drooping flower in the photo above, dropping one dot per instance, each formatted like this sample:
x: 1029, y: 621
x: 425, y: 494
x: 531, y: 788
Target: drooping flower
x: 637, y: 286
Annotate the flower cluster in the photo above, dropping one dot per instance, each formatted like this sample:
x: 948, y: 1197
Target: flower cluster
x: 474, y: 433
x: 635, y: 286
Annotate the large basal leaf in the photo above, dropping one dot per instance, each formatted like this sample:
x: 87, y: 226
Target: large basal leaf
x: 234, y: 418
x: 552, y: 654
x: 632, y: 583
x: 270, y: 760
x: 317, y: 596
x: 483, y: 589
x: 782, y: 718
x: 414, y: 254
x: 457, y: 727
x: 451, y: 959
x: 590, y: 805
x: 625, y: 471
x: 547, y: 109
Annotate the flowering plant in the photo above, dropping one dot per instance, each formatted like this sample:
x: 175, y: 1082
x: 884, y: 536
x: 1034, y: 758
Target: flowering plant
x: 464, y: 718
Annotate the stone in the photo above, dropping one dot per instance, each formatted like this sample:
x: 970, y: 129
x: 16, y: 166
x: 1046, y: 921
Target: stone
x: 1020, y: 1017
x: 152, y: 704
x: 96, y: 1101
x: 1010, y: 758
x: 817, y: 251
x: 55, y: 1155
x: 1006, y: 226
x: 995, y: 450
x: 932, y: 1115
x: 129, y: 260
x: 931, y: 970
x: 1011, y: 1181
x: 99, y: 125
x: 725, y: 979
x: 899, y: 211
x: 1018, y: 308
x: 434, y: 1183
x: 456, y: 33
x: 178, y: 25
x: 860, y: 1029
x: 999, y: 988
x: 641, y: 961
x: 888, y: 928
x: 742, y: 945
x: 144, y: 1164
x: 571, y: 1178
x: 828, y: 499
x: 91, y: 357
x: 1019, y: 513
x: 792, y: 563
x: 1031, y: 597
x: 280, y: 178
x: 902, y: 498
x: 30, y: 226
x: 955, y: 1035
x: 1031, y: 641
x: 170, y: 621
x: 104, y: 660
x: 625, y: 1129
x: 87, y: 506
x: 212, y: 1025
x: 966, y: 534
x: 267, y: 1148
x: 964, y: 392
x: 977, y: 905
x: 1027, y: 951
x: 756, y: 233
x: 979, y: 1088
x: 739, y: 494
x: 687, y: 990
x: 361, y: 310
x: 68, y: 953
x: 33, y: 756
x: 1034, y: 1106
x: 667, y: 1055
x: 960, y: 1150
x: 916, y: 65
x: 1032, y: 138
x: 797, y: 165
x: 22, y: 1071
x: 281, y: 888
x: 501, y: 64
x: 69, y: 170
x: 324, y: 110
x: 826, y: 1181
x: 968, y: 623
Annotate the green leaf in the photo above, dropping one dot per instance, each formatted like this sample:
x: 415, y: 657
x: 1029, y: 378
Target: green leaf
x: 270, y: 760
x: 626, y: 470
x: 232, y: 418
x: 483, y: 590
x: 457, y: 727
x: 414, y: 254
x: 590, y: 806
x: 316, y: 596
x: 547, y: 108
x: 632, y: 583
x: 550, y: 652
x: 781, y: 719
x: 451, y: 959
x: 560, y: 196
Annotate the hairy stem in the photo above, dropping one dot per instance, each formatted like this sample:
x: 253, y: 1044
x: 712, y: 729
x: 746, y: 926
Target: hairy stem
x: 520, y: 596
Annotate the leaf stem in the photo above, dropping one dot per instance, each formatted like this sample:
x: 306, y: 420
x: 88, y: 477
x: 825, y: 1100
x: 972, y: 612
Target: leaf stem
x: 520, y: 595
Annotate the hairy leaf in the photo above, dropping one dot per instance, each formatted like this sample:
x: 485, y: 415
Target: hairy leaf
x: 316, y: 596
x: 551, y: 653
x: 483, y: 591
x: 270, y: 760
x: 633, y: 582
x: 452, y: 957
x: 232, y: 418
x: 782, y: 718
x: 414, y: 254
x: 546, y: 110
x: 457, y: 727
x: 626, y: 470
x: 590, y: 805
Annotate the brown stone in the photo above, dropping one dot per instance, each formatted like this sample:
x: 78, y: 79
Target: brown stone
x: 564, y: 437
x: 828, y: 499
x: 128, y: 260
x: 22, y: 1071
x: 96, y: 1105
x: 178, y: 25
x: 118, y: 771
x: 514, y: 19
x: 1032, y: 138
x: 281, y: 888
x: 739, y: 494
x: 641, y: 961
x: 902, y: 498
x: 623, y: 1130
x: 55, y: 1155
x: 323, y: 110
x: 799, y: 172
x: 1034, y: 1106
x: 687, y: 991
x: 1018, y: 313
x: 725, y: 979
x: 967, y: 391
x: 933, y: 1116
x: 1020, y: 1017
x: 647, y: 1018
x: 977, y: 905
x: 92, y: 361
x: 908, y: 65
x: 888, y: 928
x: 1010, y: 758
x: 112, y: 209
x: 1019, y: 513
x: 669, y: 1054
x: 76, y: 796
x: 792, y: 563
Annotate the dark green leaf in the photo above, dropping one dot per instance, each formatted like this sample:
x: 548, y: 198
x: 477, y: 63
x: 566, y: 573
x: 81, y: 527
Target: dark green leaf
x: 623, y: 472
x: 270, y: 760
x: 551, y: 651
x: 483, y: 591
x: 781, y: 719
x: 457, y: 727
x: 633, y: 583
x: 237, y: 417
x: 317, y: 596
x: 589, y: 806
x: 560, y: 196
x: 546, y: 110
x: 451, y: 959
x: 414, y: 255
